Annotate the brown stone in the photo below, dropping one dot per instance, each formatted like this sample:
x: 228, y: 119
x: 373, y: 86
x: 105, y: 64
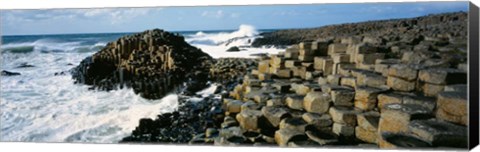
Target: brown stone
x: 294, y: 123
x: 344, y: 115
x: 317, y: 102
x: 342, y: 97
x: 317, y: 120
x: 283, y: 136
x: 366, y: 135
x: 440, y: 133
x: 400, y: 84
x: 366, y: 97
x: 442, y: 76
x: 348, y: 81
x: 406, y: 72
x: 295, y: 102
x: 452, y: 107
x: 275, y: 114
x: 389, y: 98
x: 368, y: 120
x: 343, y: 130
x: 249, y: 119
x: 337, y: 48
x: 396, y: 117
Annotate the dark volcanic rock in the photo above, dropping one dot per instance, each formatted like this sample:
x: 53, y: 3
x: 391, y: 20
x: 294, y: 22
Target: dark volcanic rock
x: 153, y: 63
x: 228, y: 69
x: 191, y: 119
x: 233, y: 49
x: 25, y: 65
x: 8, y: 73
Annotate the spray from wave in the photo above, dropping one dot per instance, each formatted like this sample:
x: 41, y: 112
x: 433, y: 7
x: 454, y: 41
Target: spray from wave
x: 216, y: 44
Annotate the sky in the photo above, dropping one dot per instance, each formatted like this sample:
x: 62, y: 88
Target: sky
x: 110, y: 20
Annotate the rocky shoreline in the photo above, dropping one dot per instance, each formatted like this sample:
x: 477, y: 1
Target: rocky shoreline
x: 383, y: 84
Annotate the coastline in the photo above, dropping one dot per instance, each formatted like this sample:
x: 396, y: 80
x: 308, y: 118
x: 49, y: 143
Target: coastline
x: 247, y: 101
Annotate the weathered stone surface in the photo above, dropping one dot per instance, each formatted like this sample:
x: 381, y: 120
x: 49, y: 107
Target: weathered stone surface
x: 249, y: 119
x: 322, y: 80
x: 440, y: 133
x: 283, y: 87
x: 407, y: 72
x: 368, y: 120
x: 366, y: 135
x: 400, y: 84
x: 366, y: 97
x: 251, y: 105
x: 442, y: 76
x: 292, y: 63
x: 284, y: 73
x: 371, y: 80
x: 264, y: 66
x: 431, y: 90
x: 337, y: 48
x: 452, y: 107
x: 369, y: 58
x: 334, y: 79
x: 317, y: 102
x: 234, y: 106
x: 456, y: 88
x: 295, y: 102
x: 275, y: 114
x: 396, y: 117
x: 348, y: 81
x: 324, y: 64
x: 322, y: 137
x: 342, y: 97
x: 317, y: 120
x: 283, y: 136
x: 389, y: 98
x: 427, y: 102
x: 294, y: 123
x: 382, y: 65
x: 396, y: 141
x: 340, y: 58
x: 343, y: 129
x: 151, y: 63
x: 344, y: 115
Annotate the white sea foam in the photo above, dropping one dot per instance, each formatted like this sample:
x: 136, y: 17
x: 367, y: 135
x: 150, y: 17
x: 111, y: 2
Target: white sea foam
x: 38, y: 106
x: 216, y: 44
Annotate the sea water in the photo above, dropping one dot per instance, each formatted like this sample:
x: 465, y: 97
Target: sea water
x: 43, y: 107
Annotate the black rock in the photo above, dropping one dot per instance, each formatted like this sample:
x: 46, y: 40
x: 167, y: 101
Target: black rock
x: 25, y: 65
x: 8, y: 73
x: 233, y: 49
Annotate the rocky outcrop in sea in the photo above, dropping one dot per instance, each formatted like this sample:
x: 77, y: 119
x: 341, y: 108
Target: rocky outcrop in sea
x: 153, y: 63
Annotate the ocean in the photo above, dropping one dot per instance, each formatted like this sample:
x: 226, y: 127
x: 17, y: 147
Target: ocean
x: 40, y: 106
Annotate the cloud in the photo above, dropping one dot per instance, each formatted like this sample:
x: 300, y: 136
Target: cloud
x: 213, y: 14
x: 112, y: 15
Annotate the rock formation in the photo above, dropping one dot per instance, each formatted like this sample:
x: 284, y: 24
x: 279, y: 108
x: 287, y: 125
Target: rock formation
x: 153, y: 63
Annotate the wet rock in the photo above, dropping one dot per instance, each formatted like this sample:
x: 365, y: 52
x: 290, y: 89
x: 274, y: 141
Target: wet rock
x: 395, y: 141
x: 8, y: 73
x: 233, y: 49
x: 152, y: 63
x: 25, y: 65
x: 440, y: 133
